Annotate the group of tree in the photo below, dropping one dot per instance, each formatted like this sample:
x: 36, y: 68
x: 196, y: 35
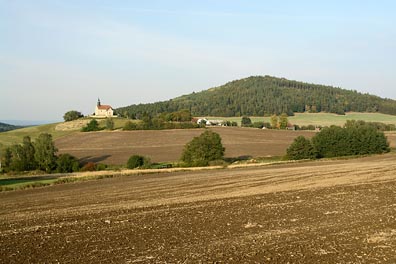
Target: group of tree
x: 175, y: 120
x: 355, y: 138
x: 37, y: 155
x: 7, y: 127
x: 263, y: 96
x: 276, y: 122
x: 93, y: 125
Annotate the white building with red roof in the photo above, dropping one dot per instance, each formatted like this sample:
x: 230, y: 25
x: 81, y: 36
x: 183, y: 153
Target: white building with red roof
x: 103, y: 110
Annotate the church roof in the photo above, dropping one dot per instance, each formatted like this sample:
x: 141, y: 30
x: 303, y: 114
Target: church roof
x: 104, y: 107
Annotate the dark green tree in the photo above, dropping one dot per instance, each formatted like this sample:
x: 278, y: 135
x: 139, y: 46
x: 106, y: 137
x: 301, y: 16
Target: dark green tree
x: 22, y: 156
x: 246, y: 122
x: 28, y: 151
x: 130, y: 126
x: 109, y: 123
x: 45, y: 152
x: 203, y: 149
x: 72, y: 115
x: 67, y: 163
x: 93, y: 125
x: 137, y: 161
x: 6, y: 159
x: 301, y: 148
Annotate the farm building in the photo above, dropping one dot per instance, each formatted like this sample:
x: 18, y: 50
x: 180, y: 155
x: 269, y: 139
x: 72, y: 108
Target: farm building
x: 103, y: 110
x: 210, y: 122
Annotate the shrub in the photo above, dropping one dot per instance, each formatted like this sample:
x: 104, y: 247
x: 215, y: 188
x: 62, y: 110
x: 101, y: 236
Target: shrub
x: 258, y: 124
x: 301, y: 148
x: 137, y: 161
x: 90, y: 166
x: 101, y: 166
x: 203, y: 149
x: 109, y: 123
x: 246, y: 122
x: 130, y: 126
x: 67, y: 163
x: 93, y: 125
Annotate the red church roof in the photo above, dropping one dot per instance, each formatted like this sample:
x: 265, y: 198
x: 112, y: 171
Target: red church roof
x: 104, y: 107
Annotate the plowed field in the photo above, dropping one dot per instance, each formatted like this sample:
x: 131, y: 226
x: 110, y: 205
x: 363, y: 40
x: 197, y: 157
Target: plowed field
x: 167, y: 145
x: 315, y: 212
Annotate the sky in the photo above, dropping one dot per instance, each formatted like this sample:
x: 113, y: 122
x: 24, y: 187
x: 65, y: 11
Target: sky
x: 61, y: 55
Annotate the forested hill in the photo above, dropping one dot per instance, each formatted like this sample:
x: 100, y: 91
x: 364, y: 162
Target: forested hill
x: 6, y: 127
x: 258, y: 96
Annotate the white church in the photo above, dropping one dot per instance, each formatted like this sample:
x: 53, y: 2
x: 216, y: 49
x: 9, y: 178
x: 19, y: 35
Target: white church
x: 103, y: 110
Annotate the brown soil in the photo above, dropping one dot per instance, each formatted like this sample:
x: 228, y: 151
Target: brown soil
x: 340, y: 211
x: 167, y: 145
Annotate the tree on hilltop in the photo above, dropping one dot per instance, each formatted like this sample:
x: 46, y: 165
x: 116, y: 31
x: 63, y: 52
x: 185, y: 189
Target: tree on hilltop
x: 72, y: 115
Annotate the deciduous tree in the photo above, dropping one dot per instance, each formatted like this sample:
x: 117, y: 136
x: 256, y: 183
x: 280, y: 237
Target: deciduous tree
x: 203, y: 149
x: 72, y: 115
x: 45, y: 152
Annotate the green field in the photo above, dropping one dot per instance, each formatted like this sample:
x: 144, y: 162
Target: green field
x: 15, y: 136
x: 322, y: 119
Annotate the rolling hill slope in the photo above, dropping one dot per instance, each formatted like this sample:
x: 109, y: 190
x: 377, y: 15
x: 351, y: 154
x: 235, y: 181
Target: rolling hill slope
x: 6, y: 127
x: 258, y: 96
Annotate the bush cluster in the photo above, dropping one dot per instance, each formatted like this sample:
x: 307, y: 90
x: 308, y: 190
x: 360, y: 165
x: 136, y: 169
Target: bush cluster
x: 203, y: 149
x: 137, y: 161
x: 356, y: 138
x: 174, y: 120
x: 93, y: 125
x: 158, y: 124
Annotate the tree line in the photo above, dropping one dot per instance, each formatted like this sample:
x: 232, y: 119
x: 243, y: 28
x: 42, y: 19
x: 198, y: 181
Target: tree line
x: 355, y: 138
x: 37, y: 155
x: 265, y: 96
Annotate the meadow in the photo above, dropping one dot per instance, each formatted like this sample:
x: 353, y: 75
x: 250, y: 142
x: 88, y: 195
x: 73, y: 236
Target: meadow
x: 322, y: 119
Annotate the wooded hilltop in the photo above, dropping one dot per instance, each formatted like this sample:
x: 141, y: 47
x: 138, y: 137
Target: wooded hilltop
x: 266, y: 95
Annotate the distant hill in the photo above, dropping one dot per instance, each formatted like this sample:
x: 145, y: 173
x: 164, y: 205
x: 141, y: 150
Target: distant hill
x: 266, y: 95
x: 6, y: 127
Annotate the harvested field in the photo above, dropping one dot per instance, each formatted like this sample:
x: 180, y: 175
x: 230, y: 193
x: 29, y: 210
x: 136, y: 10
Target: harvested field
x: 167, y: 145
x: 339, y: 211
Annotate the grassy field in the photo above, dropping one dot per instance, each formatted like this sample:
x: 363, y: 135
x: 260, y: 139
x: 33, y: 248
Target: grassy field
x: 57, y: 130
x: 322, y: 119
x: 16, y: 136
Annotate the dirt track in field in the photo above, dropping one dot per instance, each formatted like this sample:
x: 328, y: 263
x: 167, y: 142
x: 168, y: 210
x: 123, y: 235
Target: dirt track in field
x: 315, y: 212
x: 166, y: 145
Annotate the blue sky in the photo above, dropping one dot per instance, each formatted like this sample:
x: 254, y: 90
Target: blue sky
x: 57, y: 56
